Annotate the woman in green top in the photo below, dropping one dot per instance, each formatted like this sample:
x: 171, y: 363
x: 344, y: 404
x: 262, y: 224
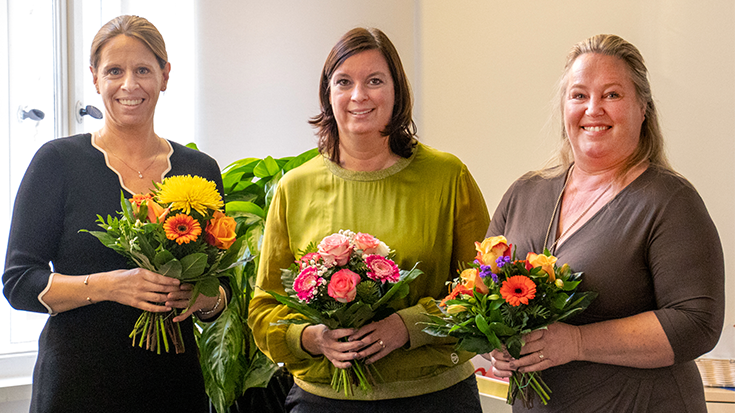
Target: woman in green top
x: 373, y: 177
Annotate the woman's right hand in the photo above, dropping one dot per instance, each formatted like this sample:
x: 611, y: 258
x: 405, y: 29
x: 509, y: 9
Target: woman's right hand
x: 501, y: 363
x: 319, y: 339
x: 137, y: 288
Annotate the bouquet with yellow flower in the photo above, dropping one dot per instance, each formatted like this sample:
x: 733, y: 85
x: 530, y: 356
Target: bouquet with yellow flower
x: 498, y: 299
x: 180, y: 231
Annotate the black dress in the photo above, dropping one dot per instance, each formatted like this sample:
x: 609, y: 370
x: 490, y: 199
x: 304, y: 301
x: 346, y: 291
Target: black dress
x: 85, y: 359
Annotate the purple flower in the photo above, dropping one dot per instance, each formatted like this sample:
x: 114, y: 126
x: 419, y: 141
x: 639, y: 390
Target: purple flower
x: 501, y: 261
x: 486, y: 270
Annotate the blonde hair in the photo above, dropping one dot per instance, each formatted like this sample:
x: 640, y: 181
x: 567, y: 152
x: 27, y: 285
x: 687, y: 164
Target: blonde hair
x: 651, y: 143
x: 132, y: 26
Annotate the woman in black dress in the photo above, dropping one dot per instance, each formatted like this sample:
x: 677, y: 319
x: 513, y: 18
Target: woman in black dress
x: 85, y: 361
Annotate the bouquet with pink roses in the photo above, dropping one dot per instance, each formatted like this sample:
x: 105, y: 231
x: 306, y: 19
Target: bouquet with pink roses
x: 346, y: 281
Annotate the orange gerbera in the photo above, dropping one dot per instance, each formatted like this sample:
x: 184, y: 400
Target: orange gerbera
x: 518, y: 289
x: 182, y: 228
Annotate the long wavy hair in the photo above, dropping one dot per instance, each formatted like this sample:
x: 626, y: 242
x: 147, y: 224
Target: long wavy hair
x: 401, y: 128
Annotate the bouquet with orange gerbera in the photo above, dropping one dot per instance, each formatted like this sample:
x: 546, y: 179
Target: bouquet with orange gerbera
x: 498, y: 299
x: 178, y: 230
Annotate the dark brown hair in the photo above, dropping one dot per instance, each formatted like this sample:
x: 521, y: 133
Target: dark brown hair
x: 401, y: 129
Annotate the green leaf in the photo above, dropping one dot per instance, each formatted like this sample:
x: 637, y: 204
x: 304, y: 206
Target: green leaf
x: 192, y: 145
x: 171, y: 269
x: 501, y: 329
x: 260, y: 372
x: 104, y: 237
x: 266, y: 168
x: 221, y: 343
x: 240, y: 207
x: 514, y: 344
x: 254, y: 238
x: 475, y: 344
x: 193, y: 265
x: 308, y: 312
x: 245, y: 165
x: 301, y: 159
x: 208, y: 287
x: 482, y: 324
x: 354, y: 316
x: 163, y: 257
x: 406, y: 278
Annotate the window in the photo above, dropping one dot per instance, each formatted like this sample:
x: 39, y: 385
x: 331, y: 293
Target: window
x: 44, y: 73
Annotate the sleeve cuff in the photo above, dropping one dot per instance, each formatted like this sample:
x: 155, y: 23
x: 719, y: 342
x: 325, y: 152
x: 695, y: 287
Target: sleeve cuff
x: 412, y: 316
x: 43, y: 293
x: 293, y: 341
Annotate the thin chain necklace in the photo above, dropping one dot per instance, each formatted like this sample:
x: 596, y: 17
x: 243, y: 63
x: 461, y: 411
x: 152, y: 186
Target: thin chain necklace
x: 139, y: 172
x: 556, y: 208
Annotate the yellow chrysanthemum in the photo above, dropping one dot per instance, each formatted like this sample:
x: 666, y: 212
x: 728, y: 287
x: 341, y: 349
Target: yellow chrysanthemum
x: 186, y: 192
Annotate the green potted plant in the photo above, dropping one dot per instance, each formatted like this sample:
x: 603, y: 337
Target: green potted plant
x: 235, y: 371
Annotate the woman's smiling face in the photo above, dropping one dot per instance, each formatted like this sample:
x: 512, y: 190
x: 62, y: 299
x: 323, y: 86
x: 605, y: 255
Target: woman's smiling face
x: 362, y: 95
x: 129, y: 79
x: 602, y: 112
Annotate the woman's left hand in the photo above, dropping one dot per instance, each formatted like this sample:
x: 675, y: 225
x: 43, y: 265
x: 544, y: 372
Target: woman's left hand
x: 558, y: 344
x: 180, y: 299
x: 380, y: 338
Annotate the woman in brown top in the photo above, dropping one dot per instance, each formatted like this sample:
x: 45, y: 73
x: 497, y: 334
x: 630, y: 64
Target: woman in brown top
x: 613, y: 208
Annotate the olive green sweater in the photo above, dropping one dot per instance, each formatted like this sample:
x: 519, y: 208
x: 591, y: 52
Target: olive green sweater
x: 427, y: 208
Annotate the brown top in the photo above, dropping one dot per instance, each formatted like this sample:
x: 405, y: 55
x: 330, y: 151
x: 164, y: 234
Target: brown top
x: 653, y: 247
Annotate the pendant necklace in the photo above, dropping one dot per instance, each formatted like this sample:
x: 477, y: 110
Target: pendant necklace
x: 139, y: 172
x: 576, y: 220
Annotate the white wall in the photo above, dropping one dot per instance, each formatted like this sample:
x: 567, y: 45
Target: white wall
x: 259, y: 64
x: 483, y: 74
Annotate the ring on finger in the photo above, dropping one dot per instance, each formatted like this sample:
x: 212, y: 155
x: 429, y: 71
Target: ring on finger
x: 540, y: 356
x: 381, y: 343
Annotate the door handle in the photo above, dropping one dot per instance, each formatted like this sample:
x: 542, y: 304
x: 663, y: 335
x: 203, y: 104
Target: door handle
x: 87, y: 110
x: 32, y: 114
x: 91, y: 111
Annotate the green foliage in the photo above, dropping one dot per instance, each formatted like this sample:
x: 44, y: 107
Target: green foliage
x: 484, y: 322
x: 230, y: 360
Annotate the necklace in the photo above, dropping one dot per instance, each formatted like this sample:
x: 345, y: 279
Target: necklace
x: 576, y: 220
x: 139, y: 172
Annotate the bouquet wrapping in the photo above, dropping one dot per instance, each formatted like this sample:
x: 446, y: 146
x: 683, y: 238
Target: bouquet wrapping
x: 498, y: 299
x: 346, y: 281
x: 178, y: 230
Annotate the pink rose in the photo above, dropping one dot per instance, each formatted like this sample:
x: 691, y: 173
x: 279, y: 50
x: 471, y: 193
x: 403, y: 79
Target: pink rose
x: 343, y: 285
x: 382, y: 269
x: 335, y: 249
x: 306, y: 284
x: 366, y: 242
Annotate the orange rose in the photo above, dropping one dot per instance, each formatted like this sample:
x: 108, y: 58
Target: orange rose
x: 156, y: 213
x: 490, y: 250
x: 220, y: 231
x: 472, y: 280
x: 546, y: 262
